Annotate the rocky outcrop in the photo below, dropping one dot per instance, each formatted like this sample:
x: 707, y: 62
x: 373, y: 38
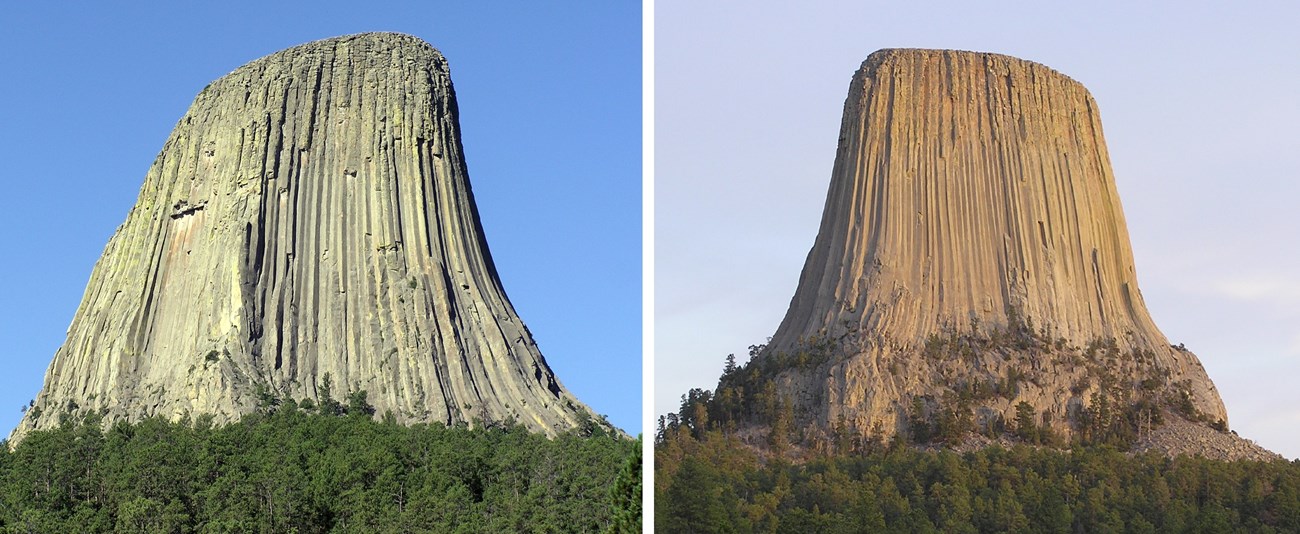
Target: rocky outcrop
x: 310, y: 215
x: 1181, y: 438
x: 972, y: 256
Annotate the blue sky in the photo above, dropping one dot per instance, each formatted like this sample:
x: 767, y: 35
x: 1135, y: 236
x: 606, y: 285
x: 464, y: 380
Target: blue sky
x: 550, y: 102
x: 1198, y: 101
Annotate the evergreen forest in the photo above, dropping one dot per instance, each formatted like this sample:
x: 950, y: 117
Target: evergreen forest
x: 709, y: 480
x: 327, y: 468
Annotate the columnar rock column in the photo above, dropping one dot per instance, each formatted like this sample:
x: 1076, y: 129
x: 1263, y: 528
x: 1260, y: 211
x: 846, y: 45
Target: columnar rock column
x: 310, y: 215
x: 971, y: 193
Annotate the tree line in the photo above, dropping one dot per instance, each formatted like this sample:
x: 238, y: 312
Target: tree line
x: 716, y: 483
x: 330, y: 468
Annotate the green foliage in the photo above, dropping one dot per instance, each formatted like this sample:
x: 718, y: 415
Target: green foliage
x: 285, y: 470
x: 358, y: 404
x: 695, y: 502
x: 779, y: 435
x: 1026, y: 427
x: 918, y: 420
x: 328, y: 405
x: 955, y: 420
x: 626, y: 495
x: 267, y: 401
x: 719, y: 484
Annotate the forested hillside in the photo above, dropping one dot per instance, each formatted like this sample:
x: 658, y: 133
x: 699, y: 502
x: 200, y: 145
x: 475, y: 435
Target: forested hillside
x: 329, y: 468
x: 710, y: 481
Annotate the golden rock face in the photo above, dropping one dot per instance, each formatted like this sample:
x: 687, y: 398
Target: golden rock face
x: 972, y: 197
x: 310, y: 214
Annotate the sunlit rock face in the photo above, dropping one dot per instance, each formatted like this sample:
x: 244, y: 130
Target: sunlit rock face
x: 972, y: 235
x: 310, y: 214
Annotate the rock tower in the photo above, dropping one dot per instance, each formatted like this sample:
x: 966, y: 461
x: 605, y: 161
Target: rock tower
x: 310, y: 215
x: 973, y: 253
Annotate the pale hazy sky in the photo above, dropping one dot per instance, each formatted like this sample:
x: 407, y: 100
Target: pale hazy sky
x: 1202, y: 121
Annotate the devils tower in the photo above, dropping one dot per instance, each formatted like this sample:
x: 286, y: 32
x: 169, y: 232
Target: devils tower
x: 973, y: 270
x: 309, y: 219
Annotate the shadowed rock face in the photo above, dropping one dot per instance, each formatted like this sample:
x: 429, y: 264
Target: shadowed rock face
x: 972, y: 204
x: 310, y: 214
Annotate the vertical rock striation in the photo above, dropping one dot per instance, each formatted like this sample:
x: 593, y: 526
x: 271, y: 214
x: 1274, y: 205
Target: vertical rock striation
x: 972, y: 204
x: 310, y: 215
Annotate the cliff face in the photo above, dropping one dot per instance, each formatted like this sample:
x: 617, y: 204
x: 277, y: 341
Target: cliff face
x: 972, y: 232
x: 310, y: 214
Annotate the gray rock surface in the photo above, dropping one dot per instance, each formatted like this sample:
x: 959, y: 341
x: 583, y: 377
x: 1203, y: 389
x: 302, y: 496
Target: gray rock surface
x: 310, y: 214
x: 973, y: 235
x: 1181, y: 438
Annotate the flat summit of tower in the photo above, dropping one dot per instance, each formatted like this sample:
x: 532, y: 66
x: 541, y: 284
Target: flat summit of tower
x: 888, y: 55
x: 388, y: 46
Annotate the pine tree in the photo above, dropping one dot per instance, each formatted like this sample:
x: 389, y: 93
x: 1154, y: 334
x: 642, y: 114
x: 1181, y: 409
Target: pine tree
x: 626, y: 495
